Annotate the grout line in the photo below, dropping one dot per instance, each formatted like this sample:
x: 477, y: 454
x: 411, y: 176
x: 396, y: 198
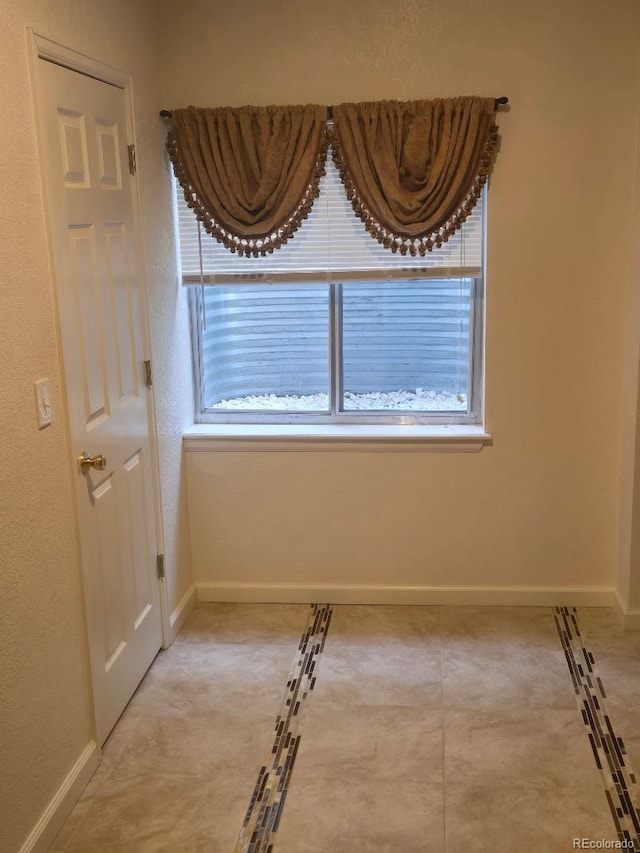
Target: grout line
x: 266, y: 805
x: 609, y: 754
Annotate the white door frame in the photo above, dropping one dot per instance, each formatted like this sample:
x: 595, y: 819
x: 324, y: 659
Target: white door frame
x: 43, y: 48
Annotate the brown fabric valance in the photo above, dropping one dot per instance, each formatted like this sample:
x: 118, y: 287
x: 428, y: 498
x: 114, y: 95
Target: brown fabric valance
x: 251, y: 173
x: 414, y: 170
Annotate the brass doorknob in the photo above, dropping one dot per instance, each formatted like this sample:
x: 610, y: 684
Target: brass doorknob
x: 87, y: 461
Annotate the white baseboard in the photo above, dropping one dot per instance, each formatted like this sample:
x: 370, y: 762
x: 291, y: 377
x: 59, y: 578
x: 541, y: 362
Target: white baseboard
x: 65, y: 798
x: 629, y: 619
x: 179, y: 615
x: 595, y: 596
x: 621, y: 607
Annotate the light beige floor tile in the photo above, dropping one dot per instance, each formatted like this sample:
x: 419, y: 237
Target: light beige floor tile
x: 198, y: 661
x: 385, y: 625
x: 236, y: 678
x: 543, y: 749
x: 503, y: 656
x: 158, y: 813
x: 244, y: 624
x: 115, y: 744
x: 620, y: 675
x: 371, y: 743
x: 510, y: 676
x: 486, y: 819
x: 604, y: 633
x: 378, y: 674
x: 489, y: 629
x: 205, y: 744
x: 342, y: 816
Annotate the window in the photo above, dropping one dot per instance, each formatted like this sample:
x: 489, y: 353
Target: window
x: 333, y: 327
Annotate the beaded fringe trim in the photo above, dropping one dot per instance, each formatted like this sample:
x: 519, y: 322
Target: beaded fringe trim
x: 430, y: 240
x: 238, y: 243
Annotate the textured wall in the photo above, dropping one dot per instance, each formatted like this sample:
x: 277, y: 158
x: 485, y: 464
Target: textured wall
x: 170, y: 337
x: 541, y: 505
x: 45, y: 710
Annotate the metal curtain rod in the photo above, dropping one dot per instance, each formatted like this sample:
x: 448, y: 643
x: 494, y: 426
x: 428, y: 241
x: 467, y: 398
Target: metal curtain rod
x: 167, y: 114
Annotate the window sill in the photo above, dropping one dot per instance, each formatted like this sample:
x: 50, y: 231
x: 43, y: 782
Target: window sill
x: 335, y: 437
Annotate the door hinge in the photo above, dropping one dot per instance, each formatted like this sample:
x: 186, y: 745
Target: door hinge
x: 160, y: 564
x: 131, y: 149
x: 148, y: 380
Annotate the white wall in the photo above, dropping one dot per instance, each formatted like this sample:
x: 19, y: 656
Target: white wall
x: 541, y: 506
x: 45, y: 707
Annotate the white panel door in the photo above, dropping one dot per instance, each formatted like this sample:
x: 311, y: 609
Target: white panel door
x: 91, y: 216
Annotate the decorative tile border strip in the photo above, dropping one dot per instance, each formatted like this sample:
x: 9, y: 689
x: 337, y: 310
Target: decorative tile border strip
x: 267, y: 802
x: 619, y: 780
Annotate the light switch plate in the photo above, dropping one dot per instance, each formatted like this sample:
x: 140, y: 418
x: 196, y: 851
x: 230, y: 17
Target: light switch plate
x: 43, y: 402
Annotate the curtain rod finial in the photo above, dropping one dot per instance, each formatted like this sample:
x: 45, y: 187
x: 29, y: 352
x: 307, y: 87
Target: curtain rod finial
x: 501, y: 101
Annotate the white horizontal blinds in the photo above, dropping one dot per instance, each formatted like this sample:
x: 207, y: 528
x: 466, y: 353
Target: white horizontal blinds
x: 331, y: 244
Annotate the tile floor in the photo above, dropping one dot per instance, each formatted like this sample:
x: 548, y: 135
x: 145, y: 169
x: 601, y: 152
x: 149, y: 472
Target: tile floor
x: 429, y: 729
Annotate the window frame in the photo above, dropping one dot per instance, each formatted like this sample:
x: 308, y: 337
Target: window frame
x: 475, y: 408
